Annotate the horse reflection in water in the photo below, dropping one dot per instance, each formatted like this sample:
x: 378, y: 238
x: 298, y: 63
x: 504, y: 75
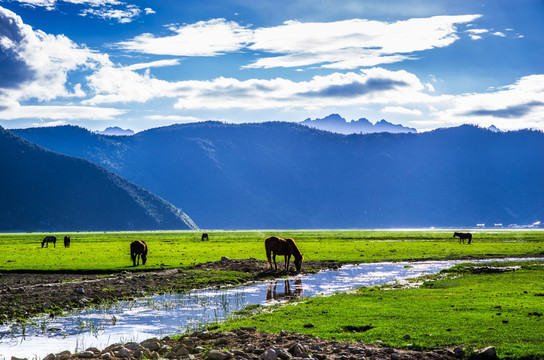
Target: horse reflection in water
x: 289, y: 293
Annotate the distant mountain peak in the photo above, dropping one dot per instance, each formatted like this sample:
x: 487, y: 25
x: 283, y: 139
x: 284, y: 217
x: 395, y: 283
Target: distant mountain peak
x: 494, y: 128
x: 116, y: 131
x: 336, y: 123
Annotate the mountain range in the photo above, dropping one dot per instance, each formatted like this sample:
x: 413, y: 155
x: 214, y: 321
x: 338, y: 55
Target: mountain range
x: 336, y: 123
x: 46, y: 191
x: 286, y: 175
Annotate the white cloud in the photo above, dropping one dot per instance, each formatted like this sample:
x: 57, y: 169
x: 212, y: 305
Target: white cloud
x: 517, y: 106
x: 499, y: 34
x: 158, y: 63
x: 401, y: 110
x: 372, y: 86
x: 204, y: 38
x: 175, y: 118
x: 45, y: 59
x: 353, y: 43
x: 340, y: 45
x: 60, y: 113
x: 50, y: 4
x: 123, y: 16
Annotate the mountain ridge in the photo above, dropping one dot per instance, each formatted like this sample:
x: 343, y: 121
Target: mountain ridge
x: 49, y: 191
x: 336, y: 123
x: 286, y: 175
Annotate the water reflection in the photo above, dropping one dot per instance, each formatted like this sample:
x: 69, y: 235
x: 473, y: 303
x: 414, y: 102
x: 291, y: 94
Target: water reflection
x: 289, y: 292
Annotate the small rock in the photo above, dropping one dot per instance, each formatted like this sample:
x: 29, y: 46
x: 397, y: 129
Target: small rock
x: 123, y: 353
x: 16, y: 358
x: 298, y: 350
x: 308, y: 326
x: 133, y: 346
x: 284, y: 333
x: 85, y: 354
x: 406, y: 337
x: 270, y: 354
x: 249, y: 329
x: 217, y: 355
x: 105, y: 356
x: 94, y: 350
x: 151, y: 345
x: 459, y: 352
x: 488, y: 353
x: 50, y: 357
x: 282, y: 353
x: 224, y: 258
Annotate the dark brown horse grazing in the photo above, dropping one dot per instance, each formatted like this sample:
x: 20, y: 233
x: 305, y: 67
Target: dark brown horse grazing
x: 49, y: 239
x: 66, y: 241
x: 205, y: 237
x: 137, y: 249
x: 287, y: 247
x: 463, y: 236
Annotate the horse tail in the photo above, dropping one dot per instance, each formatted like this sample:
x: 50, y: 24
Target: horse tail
x: 268, y: 248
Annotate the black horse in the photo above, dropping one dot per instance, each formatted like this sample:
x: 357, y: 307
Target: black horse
x: 49, y: 239
x: 138, y: 249
x: 205, y: 237
x: 463, y: 236
x: 66, y: 241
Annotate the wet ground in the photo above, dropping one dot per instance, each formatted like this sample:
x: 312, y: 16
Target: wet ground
x: 26, y: 294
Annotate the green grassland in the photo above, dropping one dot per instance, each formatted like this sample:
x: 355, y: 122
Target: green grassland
x: 468, y: 308
x: 464, y: 307
x: 110, y: 251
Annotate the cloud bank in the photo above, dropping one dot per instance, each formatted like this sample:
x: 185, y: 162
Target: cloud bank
x: 345, y: 44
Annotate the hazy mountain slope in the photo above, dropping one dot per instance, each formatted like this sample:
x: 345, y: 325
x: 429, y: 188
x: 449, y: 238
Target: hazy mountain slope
x: 43, y: 190
x: 283, y: 175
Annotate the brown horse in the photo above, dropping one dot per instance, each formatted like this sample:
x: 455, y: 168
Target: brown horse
x: 66, y: 241
x: 287, y: 247
x: 138, y: 249
x: 49, y: 239
x: 463, y: 236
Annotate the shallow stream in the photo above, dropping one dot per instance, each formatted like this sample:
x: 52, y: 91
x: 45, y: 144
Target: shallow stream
x: 161, y: 315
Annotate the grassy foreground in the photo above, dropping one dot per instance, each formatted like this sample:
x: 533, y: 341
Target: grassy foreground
x: 110, y: 251
x: 472, y: 309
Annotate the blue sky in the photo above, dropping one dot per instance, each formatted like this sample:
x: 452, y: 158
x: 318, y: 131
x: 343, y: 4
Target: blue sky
x: 144, y: 64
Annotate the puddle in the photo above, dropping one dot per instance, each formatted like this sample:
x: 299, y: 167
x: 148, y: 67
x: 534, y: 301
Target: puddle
x: 162, y: 315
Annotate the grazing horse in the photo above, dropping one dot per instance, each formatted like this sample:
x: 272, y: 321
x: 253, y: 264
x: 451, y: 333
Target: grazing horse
x: 205, y: 237
x: 287, y: 247
x: 138, y: 249
x: 66, y: 241
x: 463, y: 236
x: 49, y: 239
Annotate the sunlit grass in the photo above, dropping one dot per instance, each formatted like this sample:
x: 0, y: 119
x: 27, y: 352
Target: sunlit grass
x: 474, y: 310
x: 110, y: 251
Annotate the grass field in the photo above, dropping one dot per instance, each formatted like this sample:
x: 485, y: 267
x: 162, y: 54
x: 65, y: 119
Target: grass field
x: 110, y: 251
x: 468, y: 309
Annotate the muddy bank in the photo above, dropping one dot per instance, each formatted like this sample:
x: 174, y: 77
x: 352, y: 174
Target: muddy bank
x: 26, y: 294
x: 247, y: 343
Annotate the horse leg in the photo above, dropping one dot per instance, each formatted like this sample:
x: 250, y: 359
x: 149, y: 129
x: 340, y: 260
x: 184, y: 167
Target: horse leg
x: 287, y: 259
x: 268, y: 255
x: 274, y: 258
